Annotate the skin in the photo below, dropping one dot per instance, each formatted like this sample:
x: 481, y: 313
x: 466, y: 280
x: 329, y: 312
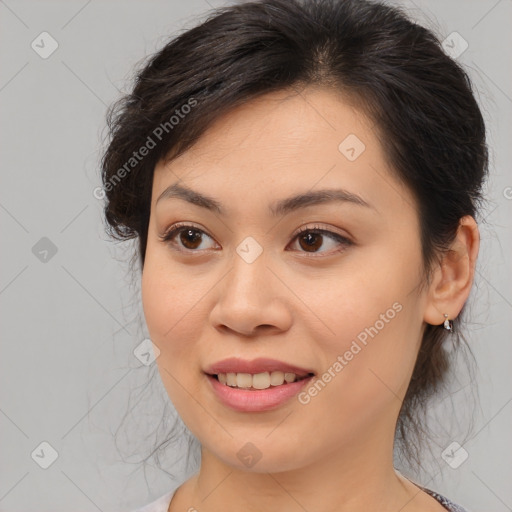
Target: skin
x: 304, y: 306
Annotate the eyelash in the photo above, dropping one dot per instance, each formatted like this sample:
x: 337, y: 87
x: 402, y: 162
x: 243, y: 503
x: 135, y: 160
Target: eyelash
x: 176, y: 229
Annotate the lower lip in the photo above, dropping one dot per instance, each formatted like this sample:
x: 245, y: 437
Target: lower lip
x: 244, y: 400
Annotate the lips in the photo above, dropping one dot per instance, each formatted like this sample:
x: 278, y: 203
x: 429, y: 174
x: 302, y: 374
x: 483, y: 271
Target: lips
x: 260, y: 365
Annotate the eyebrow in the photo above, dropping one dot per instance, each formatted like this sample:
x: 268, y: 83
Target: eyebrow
x: 280, y: 207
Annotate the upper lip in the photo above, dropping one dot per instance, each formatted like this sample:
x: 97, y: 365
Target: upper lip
x: 260, y: 365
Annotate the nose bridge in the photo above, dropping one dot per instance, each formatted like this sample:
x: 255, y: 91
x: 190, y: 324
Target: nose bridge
x: 248, y: 297
x: 249, y: 278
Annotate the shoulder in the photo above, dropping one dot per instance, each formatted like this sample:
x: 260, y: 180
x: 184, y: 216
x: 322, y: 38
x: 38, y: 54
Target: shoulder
x: 445, y: 502
x: 159, y: 505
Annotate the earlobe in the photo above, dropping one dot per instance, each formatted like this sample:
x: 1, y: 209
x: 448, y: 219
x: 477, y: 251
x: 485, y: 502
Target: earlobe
x: 453, y: 276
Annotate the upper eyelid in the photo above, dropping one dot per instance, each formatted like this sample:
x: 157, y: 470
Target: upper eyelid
x: 182, y: 225
x: 317, y: 227
x: 296, y: 232
x: 176, y: 228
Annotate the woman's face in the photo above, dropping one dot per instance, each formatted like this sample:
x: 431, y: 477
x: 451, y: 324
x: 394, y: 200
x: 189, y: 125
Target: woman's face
x: 341, y: 301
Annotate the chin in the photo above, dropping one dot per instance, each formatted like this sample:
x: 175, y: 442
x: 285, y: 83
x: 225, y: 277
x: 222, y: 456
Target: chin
x: 257, y: 454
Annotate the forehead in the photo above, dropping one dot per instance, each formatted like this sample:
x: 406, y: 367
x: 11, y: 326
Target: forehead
x: 285, y: 141
x: 285, y: 123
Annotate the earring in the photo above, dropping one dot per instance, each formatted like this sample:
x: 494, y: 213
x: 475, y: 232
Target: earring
x: 447, y: 323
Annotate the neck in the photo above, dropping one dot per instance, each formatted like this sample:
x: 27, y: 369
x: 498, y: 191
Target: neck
x: 359, y: 477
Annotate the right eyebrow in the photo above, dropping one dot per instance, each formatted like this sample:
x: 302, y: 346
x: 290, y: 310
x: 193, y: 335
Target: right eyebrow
x: 280, y: 207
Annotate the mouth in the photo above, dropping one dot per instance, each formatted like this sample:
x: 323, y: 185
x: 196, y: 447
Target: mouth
x: 256, y: 374
x: 259, y: 392
x: 259, y: 381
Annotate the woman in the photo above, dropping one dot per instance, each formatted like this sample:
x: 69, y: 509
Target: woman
x: 303, y: 179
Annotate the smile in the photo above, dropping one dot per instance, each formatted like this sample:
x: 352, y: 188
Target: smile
x: 262, y: 380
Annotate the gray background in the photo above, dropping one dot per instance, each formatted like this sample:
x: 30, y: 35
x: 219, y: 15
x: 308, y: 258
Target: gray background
x: 70, y: 320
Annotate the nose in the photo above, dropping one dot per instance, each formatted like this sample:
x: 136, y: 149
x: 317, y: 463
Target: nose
x: 251, y: 300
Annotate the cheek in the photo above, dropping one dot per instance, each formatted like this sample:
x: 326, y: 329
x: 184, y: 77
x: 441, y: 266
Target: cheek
x: 171, y: 299
x: 363, y: 295
x: 367, y: 325
x: 366, y: 366
x: 171, y: 308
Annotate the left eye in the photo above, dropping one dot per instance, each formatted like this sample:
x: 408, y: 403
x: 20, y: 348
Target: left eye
x: 314, y: 239
x: 310, y: 239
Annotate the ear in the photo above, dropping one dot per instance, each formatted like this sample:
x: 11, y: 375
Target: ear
x: 453, y: 276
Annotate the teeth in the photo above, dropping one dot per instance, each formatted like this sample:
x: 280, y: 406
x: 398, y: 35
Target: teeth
x: 276, y: 378
x: 257, y: 381
x: 243, y: 380
x: 261, y: 381
x: 289, y: 377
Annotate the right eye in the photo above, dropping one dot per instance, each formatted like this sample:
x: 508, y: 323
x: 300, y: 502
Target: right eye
x: 190, y: 238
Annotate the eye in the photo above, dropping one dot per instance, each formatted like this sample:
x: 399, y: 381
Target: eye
x: 189, y: 237
x: 312, y: 239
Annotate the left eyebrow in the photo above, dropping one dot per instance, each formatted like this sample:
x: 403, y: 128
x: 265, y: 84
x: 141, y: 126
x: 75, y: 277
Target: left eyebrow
x: 284, y: 206
x: 280, y: 207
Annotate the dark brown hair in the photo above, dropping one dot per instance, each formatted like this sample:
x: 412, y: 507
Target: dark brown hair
x: 420, y: 99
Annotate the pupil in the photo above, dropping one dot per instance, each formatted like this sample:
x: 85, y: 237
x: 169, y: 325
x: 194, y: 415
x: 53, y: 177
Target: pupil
x: 313, y: 240
x: 193, y: 236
